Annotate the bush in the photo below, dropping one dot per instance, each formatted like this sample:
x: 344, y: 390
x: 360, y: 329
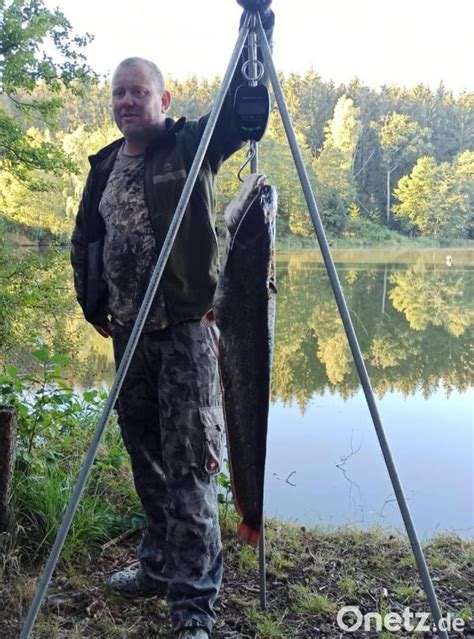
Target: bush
x: 55, y: 427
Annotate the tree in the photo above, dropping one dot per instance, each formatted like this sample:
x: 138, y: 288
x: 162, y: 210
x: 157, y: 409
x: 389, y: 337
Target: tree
x: 464, y: 178
x: 401, y: 140
x: 436, y: 200
x: 460, y: 126
x: 51, y: 212
x: 28, y: 29
x: 315, y: 105
x: 334, y: 167
x: 345, y: 130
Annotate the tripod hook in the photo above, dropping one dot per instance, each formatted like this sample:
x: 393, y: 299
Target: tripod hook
x: 250, y: 155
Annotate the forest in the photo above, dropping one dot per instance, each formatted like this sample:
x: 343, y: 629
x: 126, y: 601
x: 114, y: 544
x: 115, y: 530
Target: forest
x: 386, y: 163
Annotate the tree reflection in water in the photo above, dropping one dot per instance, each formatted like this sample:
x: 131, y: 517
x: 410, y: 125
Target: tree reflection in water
x: 413, y: 321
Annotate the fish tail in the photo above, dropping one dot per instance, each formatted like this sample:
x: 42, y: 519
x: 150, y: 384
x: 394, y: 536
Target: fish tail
x: 249, y: 535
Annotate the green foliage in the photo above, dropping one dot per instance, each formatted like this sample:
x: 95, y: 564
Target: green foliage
x: 438, y: 200
x: 345, y: 129
x: 277, y: 164
x: 248, y: 559
x: 29, y: 33
x: 357, y: 143
x: 21, y: 153
x: 79, y: 144
x: 400, y: 138
x: 349, y: 586
x: 401, y: 141
x: 280, y: 564
x: 55, y: 426
x: 466, y: 613
x: 363, y: 231
x: 36, y: 298
x: 335, y: 188
x: 26, y: 28
x: 224, y: 497
x: 49, y: 411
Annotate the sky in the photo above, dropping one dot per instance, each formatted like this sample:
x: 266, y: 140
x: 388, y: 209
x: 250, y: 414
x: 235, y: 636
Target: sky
x: 404, y: 41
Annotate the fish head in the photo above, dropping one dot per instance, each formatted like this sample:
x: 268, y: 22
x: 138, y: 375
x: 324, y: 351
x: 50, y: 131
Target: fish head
x: 239, y: 206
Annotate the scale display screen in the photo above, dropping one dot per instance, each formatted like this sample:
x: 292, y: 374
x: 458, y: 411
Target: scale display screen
x: 252, y: 107
x: 252, y: 110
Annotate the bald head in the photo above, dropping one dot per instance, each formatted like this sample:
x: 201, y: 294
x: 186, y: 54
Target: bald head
x: 154, y: 72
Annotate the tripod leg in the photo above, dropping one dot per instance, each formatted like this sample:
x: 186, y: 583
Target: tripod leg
x: 135, y: 335
x: 351, y: 335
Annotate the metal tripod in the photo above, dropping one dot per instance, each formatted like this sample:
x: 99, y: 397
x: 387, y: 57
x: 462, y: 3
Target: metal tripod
x: 251, y: 26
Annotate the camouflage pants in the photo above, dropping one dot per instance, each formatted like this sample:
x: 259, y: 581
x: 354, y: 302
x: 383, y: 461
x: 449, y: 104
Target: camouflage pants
x: 170, y: 414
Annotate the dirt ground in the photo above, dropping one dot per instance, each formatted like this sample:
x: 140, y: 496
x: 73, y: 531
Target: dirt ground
x: 310, y: 576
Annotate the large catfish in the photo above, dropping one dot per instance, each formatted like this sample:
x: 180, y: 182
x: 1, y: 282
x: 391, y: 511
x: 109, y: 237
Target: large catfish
x: 244, y: 311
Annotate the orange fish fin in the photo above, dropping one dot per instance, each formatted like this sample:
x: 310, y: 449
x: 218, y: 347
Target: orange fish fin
x: 249, y: 535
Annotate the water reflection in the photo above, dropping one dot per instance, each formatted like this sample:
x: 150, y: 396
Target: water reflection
x: 413, y: 321
x: 414, y: 325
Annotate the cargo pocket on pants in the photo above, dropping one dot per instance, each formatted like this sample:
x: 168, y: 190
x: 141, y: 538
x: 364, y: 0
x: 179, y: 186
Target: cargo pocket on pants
x: 212, y: 419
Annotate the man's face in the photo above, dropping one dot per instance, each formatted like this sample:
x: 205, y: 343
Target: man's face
x: 138, y: 105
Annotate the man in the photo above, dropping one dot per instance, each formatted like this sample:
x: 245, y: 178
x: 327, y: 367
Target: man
x: 170, y: 406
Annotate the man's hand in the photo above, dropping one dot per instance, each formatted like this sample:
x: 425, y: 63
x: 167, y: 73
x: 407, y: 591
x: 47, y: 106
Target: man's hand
x: 105, y: 331
x: 264, y: 9
x: 262, y: 6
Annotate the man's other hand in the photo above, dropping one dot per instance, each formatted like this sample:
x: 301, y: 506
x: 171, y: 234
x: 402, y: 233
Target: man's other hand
x: 105, y: 331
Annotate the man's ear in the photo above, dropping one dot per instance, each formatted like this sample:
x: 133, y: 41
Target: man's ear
x: 165, y: 101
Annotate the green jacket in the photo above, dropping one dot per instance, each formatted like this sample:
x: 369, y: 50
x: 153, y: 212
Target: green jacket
x: 190, y: 274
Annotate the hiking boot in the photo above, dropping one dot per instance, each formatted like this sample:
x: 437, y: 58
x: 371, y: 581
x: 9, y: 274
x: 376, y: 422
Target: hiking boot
x: 195, y: 632
x: 129, y: 584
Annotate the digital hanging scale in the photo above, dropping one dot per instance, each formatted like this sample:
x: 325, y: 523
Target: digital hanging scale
x: 252, y: 110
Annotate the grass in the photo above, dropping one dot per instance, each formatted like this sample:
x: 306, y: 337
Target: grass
x: 248, y: 559
x: 408, y: 561
x: 407, y: 592
x: 41, y: 500
x: 348, y: 586
x: 279, y: 564
x: 465, y: 613
x: 312, y: 603
x: 266, y: 625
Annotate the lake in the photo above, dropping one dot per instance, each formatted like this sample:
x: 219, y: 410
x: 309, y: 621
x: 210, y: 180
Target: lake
x: 413, y: 315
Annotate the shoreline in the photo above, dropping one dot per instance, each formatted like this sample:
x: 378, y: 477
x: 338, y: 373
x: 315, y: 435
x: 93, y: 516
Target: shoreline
x: 461, y: 256
x: 289, y: 243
